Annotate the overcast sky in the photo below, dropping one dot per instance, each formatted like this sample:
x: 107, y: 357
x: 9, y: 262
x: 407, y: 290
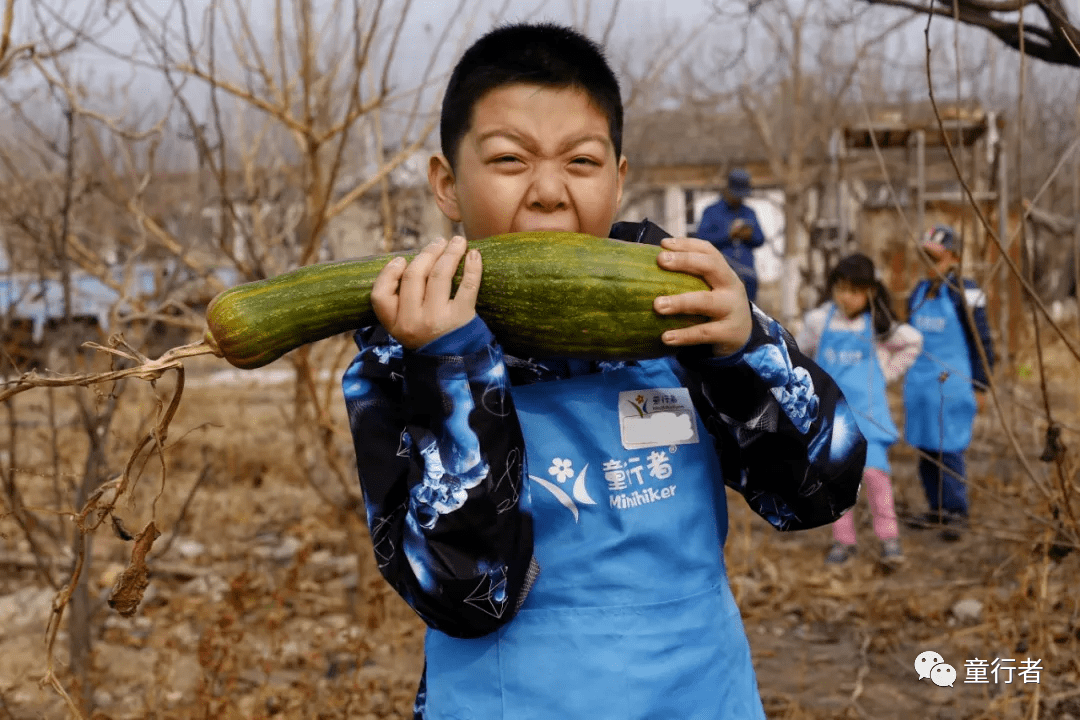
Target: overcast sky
x: 426, y: 20
x: 634, y: 16
x: 720, y: 50
x: 636, y: 19
x: 639, y: 22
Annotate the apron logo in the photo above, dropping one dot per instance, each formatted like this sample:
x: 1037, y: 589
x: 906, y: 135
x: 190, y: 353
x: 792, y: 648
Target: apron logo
x: 626, y: 482
x: 622, y: 474
x: 657, y: 417
x: 562, y: 470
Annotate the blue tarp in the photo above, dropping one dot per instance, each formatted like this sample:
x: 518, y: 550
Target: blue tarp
x: 28, y: 295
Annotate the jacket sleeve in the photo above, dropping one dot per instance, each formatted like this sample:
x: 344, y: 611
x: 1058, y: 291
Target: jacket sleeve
x: 787, y: 440
x: 440, y: 455
x: 644, y: 232
x: 975, y: 299
x: 899, y: 351
x: 709, y: 228
x: 813, y: 326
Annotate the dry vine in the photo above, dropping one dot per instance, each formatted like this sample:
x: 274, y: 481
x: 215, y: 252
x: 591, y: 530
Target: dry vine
x: 1057, y: 529
x: 132, y: 583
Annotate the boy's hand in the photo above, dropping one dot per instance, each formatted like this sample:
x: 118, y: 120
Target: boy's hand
x: 726, y: 303
x: 412, y: 300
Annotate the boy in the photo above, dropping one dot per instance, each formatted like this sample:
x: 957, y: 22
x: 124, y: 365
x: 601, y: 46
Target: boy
x: 567, y: 563
x: 939, y: 390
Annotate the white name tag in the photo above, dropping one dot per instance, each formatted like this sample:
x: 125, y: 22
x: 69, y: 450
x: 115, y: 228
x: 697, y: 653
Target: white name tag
x: 657, y: 417
x: 930, y: 324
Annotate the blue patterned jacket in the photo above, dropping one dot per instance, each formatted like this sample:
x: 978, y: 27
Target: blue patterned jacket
x: 440, y: 452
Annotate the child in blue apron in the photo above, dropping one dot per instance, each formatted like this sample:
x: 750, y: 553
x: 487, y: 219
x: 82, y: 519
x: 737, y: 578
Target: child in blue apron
x: 940, y: 389
x: 856, y: 339
x: 558, y: 523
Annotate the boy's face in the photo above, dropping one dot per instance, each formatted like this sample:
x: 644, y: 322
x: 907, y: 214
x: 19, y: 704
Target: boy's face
x: 534, y: 158
x: 943, y: 260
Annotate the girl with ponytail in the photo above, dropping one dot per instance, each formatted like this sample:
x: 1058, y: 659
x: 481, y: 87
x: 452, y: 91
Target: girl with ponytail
x: 855, y: 337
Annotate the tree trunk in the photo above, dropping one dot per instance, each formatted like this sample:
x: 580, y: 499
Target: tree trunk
x: 794, y: 256
x: 79, y: 636
x: 79, y: 612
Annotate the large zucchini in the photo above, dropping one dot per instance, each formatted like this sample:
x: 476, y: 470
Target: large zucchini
x: 543, y: 294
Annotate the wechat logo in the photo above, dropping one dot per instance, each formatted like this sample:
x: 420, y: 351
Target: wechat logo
x: 931, y: 665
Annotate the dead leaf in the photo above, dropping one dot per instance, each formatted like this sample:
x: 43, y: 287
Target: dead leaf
x: 128, y: 591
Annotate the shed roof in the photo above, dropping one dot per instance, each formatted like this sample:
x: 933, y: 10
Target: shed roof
x: 690, y: 136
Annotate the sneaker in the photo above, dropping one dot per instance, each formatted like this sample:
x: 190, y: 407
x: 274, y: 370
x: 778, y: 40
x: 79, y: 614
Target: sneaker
x: 932, y: 519
x: 954, y: 527
x: 839, y: 554
x: 922, y: 521
x: 891, y: 552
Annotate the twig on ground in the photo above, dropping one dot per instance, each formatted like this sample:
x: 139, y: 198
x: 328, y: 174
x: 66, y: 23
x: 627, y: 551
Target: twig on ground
x: 176, y: 570
x: 1053, y: 700
x: 4, y: 707
x: 864, y: 669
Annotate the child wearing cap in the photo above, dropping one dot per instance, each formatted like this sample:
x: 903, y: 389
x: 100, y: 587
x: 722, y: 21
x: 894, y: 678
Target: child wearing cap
x: 559, y: 523
x: 940, y: 388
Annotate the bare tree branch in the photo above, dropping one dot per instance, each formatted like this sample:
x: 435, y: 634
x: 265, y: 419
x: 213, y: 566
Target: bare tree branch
x: 9, y: 53
x: 5, y: 31
x: 370, y: 182
x: 1055, y: 44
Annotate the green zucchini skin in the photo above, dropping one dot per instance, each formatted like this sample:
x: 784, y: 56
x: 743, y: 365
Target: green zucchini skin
x: 543, y: 294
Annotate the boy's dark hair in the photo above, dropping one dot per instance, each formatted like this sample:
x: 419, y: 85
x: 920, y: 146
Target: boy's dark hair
x: 858, y: 270
x: 534, y: 54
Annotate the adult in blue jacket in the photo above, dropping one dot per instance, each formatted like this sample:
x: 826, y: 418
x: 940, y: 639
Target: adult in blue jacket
x: 733, y: 228
x: 940, y: 388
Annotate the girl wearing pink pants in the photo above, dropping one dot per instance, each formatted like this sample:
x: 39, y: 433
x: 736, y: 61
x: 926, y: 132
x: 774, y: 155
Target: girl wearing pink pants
x: 856, y: 339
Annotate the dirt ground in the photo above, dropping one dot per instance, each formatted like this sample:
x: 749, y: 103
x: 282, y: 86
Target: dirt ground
x: 263, y: 600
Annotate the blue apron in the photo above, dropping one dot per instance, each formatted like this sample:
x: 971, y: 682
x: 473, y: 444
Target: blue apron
x: 939, y: 415
x: 631, y: 616
x: 851, y: 359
